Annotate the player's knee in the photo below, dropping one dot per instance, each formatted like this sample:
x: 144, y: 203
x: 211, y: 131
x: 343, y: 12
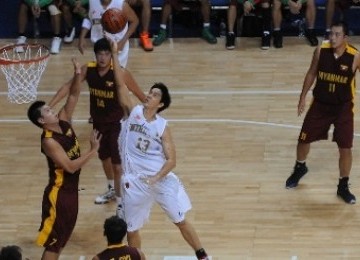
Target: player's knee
x: 180, y: 224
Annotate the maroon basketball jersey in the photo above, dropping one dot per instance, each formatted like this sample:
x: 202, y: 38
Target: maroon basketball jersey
x: 119, y: 252
x: 67, y: 139
x: 104, y: 104
x: 335, y: 83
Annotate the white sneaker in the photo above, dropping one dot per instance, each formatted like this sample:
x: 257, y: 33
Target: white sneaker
x: 55, y: 45
x: 106, y: 197
x: 70, y: 36
x: 120, y: 211
x: 20, y: 40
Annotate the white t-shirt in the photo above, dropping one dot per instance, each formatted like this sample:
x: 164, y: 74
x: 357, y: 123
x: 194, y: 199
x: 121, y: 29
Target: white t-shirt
x: 96, y: 10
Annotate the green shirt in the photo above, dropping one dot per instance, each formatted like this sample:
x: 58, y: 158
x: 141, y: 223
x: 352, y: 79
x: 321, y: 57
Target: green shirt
x: 42, y: 3
x: 286, y: 2
x: 72, y: 2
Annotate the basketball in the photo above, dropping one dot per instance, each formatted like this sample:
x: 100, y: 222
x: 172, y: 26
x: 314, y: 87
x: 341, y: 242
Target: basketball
x: 113, y: 20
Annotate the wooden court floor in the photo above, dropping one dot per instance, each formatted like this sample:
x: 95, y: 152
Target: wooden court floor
x: 234, y: 121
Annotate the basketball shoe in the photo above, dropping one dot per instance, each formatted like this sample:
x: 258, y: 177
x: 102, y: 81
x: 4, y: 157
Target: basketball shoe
x: 70, y: 35
x: 265, y: 40
x: 311, y: 37
x: 145, y: 41
x: 55, y: 45
x: 230, y: 41
x: 160, y: 38
x: 106, y: 197
x: 208, y: 36
x: 278, y: 39
x: 201, y: 254
x: 20, y: 40
x: 300, y: 170
x: 344, y: 192
x: 120, y: 211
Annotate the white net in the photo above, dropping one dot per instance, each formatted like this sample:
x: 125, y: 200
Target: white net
x: 23, y: 66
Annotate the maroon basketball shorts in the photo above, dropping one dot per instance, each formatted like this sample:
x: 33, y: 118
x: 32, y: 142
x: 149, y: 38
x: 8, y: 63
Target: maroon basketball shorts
x: 319, y: 119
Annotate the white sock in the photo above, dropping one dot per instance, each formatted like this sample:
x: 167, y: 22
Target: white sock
x: 118, y: 200
x: 111, y: 183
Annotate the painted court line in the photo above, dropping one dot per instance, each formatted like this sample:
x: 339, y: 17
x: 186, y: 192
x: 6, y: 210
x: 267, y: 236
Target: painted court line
x: 191, y: 92
x: 182, y: 258
x: 200, y: 120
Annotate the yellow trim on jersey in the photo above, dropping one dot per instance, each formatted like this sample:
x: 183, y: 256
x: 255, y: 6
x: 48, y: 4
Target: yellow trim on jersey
x: 48, y: 133
x: 91, y: 64
x: 49, y: 221
x: 116, y: 246
x: 325, y: 44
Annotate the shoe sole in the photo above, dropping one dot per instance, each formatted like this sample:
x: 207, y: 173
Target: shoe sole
x: 265, y: 47
x: 230, y: 47
x: 352, y: 202
x: 295, y: 185
x: 103, y: 202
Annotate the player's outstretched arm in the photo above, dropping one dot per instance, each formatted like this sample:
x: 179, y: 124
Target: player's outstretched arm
x: 132, y: 85
x: 121, y: 88
x: 63, y: 91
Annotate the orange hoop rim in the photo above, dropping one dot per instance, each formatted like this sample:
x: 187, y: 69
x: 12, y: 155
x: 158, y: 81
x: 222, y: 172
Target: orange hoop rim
x: 4, y: 61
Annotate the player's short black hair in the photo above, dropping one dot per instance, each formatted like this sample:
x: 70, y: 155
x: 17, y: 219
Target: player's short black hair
x: 165, y: 95
x: 34, y: 112
x: 115, y: 230
x: 12, y: 252
x: 102, y: 44
x: 342, y: 24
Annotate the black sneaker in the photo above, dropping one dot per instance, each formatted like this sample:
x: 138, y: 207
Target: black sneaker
x: 230, y: 41
x: 300, y: 170
x: 311, y: 37
x: 278, y: 39
x: 327, y: 36
x: 265, y: 41
x: 344, y: 193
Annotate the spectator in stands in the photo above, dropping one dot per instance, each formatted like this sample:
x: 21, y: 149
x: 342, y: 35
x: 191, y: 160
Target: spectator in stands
x: 69, y: 9
x: 36, y: 6
x: 10, y: 253
x: 248, y: 7
x: 295, y: 7
x: 342, y: 6
x: 145, y: 40
x: 166, y: 11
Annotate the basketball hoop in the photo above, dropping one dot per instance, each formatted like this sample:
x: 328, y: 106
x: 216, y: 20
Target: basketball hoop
x: 23, y: 65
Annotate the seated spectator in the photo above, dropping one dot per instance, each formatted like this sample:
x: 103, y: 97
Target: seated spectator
x: 331, y: 6
x: 10, y: 253
x: 145, y: 40
x: 115, y: 230
x: 248, y: 7
x: 166, y: 11
x: 36, y: 6
x: 69, y: 9
x: 295, y: 7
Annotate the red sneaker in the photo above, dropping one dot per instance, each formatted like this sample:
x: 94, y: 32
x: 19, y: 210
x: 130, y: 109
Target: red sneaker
x: 145, y: 41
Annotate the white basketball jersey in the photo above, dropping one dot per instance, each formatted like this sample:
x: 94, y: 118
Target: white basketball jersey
x: 96, y: 10
x: 140, y: 143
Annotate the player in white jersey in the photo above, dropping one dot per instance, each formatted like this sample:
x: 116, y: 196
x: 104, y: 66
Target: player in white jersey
x: 93, y: 23
x: 148, y: 157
